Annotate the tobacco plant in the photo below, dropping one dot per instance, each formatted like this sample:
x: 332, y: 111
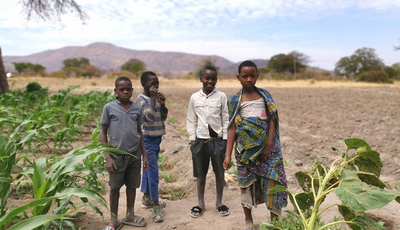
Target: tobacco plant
x: 354, y: 177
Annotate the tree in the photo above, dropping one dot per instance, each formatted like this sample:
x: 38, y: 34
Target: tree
x: 364, y: 59
x: 20, y: 67
x: 134, y: 66
x: 3, y: 78
x: 292, y: 62
x: 79, y: 67
x: 23, y: 67
x: 47, y: 10
x: 204, y: 63
x: 396, y: 67
x: 76, y: 62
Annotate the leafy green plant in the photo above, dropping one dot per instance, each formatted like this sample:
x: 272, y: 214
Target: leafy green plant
x: 354, y: 177
x: 169, y: 178
x: 33, y: 86
x: 173, y: 120
x: 174, y: 194
x: 161, y: 161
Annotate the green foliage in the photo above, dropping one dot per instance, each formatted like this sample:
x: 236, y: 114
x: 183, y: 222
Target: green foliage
x: 76, y: 62
x: 134, y: 66
x: 204, y: 63
x: 293, y: 62
x: 374, y: 76
x: 362, y: 60
x: 37, y: 120
x: 169, y: 178
x: 390, y: 71
x: 354, y: 177
x: 161, y: 161
x: 396, y: 67
x: 79, y: 67
x: 24, y: 67
x: 33, y: 86
x: 175, y: 194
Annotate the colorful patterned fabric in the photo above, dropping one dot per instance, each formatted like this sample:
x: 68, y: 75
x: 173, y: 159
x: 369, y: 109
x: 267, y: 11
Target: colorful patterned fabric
x: 251, y: 138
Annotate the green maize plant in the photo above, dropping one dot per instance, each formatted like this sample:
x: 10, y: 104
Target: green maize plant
x: 61, y: 178
x: 354, y: 177
x: 9, y: 148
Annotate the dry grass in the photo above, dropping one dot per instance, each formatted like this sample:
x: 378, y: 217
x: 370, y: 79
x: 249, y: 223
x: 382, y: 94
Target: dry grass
x: 86, y: 85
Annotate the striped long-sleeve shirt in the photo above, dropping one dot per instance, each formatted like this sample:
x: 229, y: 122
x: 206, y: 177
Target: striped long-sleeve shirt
x: 153, y: 120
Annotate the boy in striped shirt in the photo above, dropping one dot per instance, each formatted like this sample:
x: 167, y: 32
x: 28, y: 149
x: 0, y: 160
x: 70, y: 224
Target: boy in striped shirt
x: 154, y: 115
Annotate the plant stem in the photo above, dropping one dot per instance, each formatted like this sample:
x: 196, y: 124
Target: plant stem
x: 337, y: 222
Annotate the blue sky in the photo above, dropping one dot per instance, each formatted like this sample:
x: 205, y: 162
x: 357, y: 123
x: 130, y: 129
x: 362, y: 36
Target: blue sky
x: 325, y: 30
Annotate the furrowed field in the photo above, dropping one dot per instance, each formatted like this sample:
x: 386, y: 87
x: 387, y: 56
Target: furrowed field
x: 52, y: 173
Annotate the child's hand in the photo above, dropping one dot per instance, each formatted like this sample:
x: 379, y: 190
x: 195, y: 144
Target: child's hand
x: 227, y: 163
x: 110, y: 165
x: 161, y: 98
x: 145, y: 164
x: 153, y: 92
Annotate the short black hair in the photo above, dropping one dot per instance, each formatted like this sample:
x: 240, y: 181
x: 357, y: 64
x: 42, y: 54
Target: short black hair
x: 247, y: 63
x: 145, y: 76
x: 122, y: 78
x: 209, y: 67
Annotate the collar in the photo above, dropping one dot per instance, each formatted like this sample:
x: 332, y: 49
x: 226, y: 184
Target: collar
x: 117, y: 99
x: 208, y: 95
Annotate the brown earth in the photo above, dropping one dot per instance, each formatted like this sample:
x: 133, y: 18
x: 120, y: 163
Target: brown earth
x: 314, y: 116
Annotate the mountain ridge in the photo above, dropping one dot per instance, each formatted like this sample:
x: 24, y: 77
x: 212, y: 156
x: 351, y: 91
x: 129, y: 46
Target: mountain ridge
x: 108, y: 56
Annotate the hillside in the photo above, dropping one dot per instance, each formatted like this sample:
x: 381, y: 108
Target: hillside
x: 110, y: 57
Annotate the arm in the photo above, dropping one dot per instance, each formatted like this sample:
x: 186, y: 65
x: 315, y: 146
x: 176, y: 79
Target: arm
x: 148, y: 110
x: 164, y: 111
x: 144, y: 154
x: 225, y: 117
x: 191, y: 121
x: 271, y: 134
x: 229, y: 146
x: 110, y: 164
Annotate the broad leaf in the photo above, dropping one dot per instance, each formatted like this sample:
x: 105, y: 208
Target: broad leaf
x: 304, y: 180
x: 304, y: 200
x: 361, y: 221
x: 355, y: 143
x: 368, y: 160
x: 371, y: 179
x: 361, y: 196
x: 277, y: 188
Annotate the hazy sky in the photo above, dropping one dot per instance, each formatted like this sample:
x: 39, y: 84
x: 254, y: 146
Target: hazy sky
x: 325, y: 30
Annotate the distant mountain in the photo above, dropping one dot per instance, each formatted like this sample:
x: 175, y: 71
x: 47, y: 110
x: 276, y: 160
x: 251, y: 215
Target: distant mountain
x: 110, y: 57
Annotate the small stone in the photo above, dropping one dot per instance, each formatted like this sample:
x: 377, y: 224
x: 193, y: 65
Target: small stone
x: 298, y: 163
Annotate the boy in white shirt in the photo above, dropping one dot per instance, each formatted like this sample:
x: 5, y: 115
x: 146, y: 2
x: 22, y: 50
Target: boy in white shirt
x: 207, y: 122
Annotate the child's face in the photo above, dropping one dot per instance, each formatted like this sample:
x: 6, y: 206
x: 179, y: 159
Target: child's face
x: 124, y: 91
x: 248, y: 77
x: 209, y: 80
x: 152, y: 81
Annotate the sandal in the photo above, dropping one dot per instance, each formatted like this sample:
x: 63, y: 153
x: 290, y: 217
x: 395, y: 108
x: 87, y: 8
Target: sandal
x: 109, y: 227
x: 250, y: 227
x: 137, y: 222
x: 147, y: 204
x: 158, y: 216
x: 196, y: 212
x: 223, y: 210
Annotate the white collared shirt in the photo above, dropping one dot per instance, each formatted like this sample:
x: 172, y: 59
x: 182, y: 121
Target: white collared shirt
x: 207, y: 110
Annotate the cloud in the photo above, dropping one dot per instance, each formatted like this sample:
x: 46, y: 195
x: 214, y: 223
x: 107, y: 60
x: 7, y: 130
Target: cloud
x: 234, y: 29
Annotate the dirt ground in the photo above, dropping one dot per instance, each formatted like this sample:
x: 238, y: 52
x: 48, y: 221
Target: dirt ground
x: 314, y: 116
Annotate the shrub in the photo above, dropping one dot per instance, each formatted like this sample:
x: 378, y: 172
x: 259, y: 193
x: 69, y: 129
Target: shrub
x: 374, y: 76
x: 33, y: 86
